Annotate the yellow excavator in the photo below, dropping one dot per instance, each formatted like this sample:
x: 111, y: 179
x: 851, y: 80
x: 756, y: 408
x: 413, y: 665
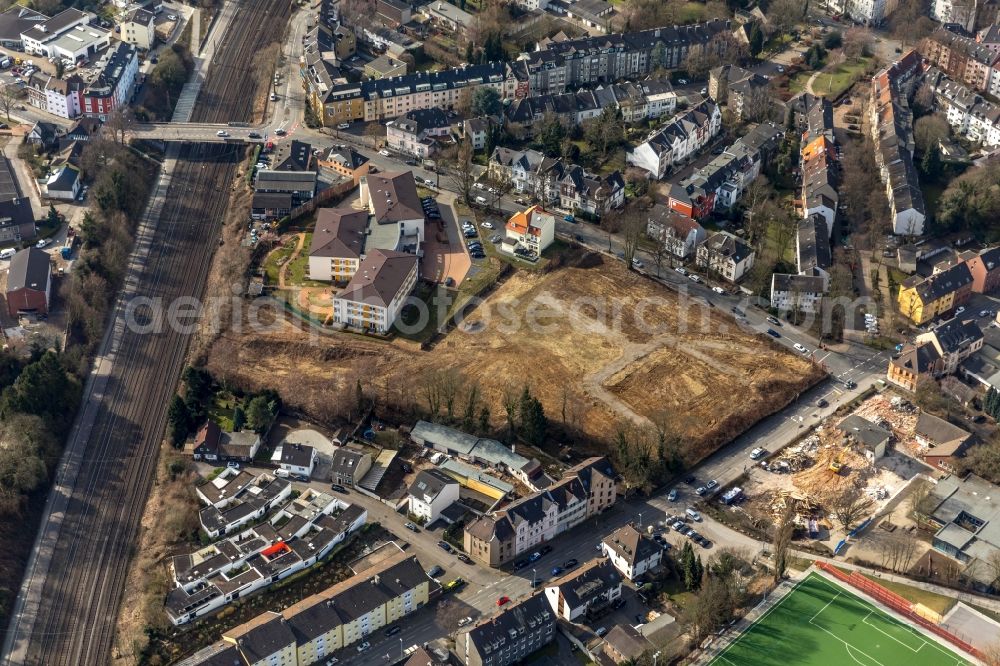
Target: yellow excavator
x: 836, y: 465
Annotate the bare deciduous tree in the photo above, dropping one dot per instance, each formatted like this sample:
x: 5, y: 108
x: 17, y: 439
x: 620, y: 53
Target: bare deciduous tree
x: 633, y: 227
x: 8, y: 96
x: 459, y: 163
x: 783, y: 532
x: 848, y: 505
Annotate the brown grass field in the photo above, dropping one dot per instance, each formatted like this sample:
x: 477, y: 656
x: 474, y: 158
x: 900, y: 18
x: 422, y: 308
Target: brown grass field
x: 606, y: 345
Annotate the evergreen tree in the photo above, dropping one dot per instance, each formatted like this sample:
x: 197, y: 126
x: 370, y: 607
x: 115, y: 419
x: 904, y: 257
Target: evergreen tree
x: 261, y: 413
x: 470, y: 52
x: 931, y: 162
x: 484, y: 420
x: 532, y: 416
x: 689, y: 567
x: 756, y: 38
x: 179, y: 421
x: 699, y: 572
x: 239, y: 418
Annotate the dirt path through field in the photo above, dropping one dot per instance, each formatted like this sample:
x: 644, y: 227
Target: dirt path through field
x: 300, y: 241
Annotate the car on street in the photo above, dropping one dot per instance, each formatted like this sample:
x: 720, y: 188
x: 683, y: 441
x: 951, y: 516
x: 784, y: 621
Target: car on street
x: 462, y: 557
x: 384, y: 152
x: 569, y: 564
x: 534, y: 557
x: 984, y: 313
x: 960, y: 309
x: 232, y: 464
x: 343, y: 126
x: 773, y: 333
x: 496, y: 238
x: 411, y: 163
x: 45, y: 242
x: 781, y: 69
x: 520, y: 564
x: 435, y: 571
x: 445, y: 546
x: 800, y: 348
x: 557, y: 571
x: 757, y: 453
x: 477, y: 254
x: 393, y: 630
x: 683, y: 82
x: 719, y: 290
x: 364, y: 646
x: 545, y: 550
x: 222, y: 133
x: 701, y: 490
x: 273, y: 97
x: 694, y: 278
x: 677, y: 525
x: 637, y: 262
x: 689, y: 479
x: 455, y: 584
x: 253, y: 135
x: 822, y: 403
x: 503, y: 600
x: 411, y: 527
x: 487, y: 225
x: 672, y: 495
x: 337, y: 487
x: 692, y: 514
x: 704, y: 91
x: 464, y: 621
x: 280, y: 131
x: 773, y: 320
x: 619, y: 602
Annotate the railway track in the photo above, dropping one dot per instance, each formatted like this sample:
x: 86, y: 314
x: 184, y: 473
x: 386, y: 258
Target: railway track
x: 73, y: 620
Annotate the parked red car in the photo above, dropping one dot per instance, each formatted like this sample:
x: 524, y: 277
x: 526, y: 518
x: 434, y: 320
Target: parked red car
x: 503, y: 600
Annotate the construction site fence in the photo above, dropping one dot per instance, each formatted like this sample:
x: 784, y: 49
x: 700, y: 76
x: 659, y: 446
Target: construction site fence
x: 897, y: 603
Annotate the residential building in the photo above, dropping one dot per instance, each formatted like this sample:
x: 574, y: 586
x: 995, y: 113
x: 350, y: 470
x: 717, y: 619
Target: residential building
x: 580, y: 191
x: 719, y: 184
x: 570, y: 64
x: 892, y: 132
x: 17, y: 221
x: 872, y: 439
x: 310, y: 631
x: 867, y: 12
x: 233, y: 501
x: 961, y: 57
x: 510, y: 635
x: 533, y: 5
x: 64, y: 183
x: 338, y: 244
x: 29, y: 283
x: 448, y: 90
x: 533, y: 229
x: 384, y: 67
x: 587, y: 590
x: 736, y: 87
x: 213, y: 444
x: 112, y: 87
x: 586, y: 490
x: 60, y: 97
x: 922, y: 299
x: 371, y: 301
x: 958, y: 12
x: 476, y: 130
x: 42, y: 135
x: 913, y: 363
x: 813, y: 255
x: 529, y: 171
x: 297, y: 459
x: 637, y: 102
x: 625, y: 645
x: 726, y: 255
x: 967, y: 515
x: 680, y: 234
x: 431, y: 492
x: 293, y: 155
x: 139, y: 28
x: 631, y: 552
x: 393, y: 202
x: 985, y: 269
x: 448, y: 16
x: 677, y: 140
x: 820, y: 180
x: 942, y: 443
x: 349, y: 466
x: 393, y: 13
x: 969, y: 114
x: 419, y: 133
x: 270, y: 205
x: 347, y: 162
x: 955, y: 340
x: 299, y: 185
x: 797, y: 294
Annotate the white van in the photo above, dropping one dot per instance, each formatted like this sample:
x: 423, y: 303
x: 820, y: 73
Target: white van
x: 481, y: 201
x: 693, y: 515
x: 283, y: 473
x: 8, y: 253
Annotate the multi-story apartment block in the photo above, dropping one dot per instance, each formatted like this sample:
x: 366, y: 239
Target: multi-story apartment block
x: 913, y: 363
x: 418, y: 133
x: 680, y: 138
x: 371, y: 301
x: 584, y: 491
x: 632, y: 552
x: 968, y: 114
x: 60, y: 97
x: 510, y: 635
x: 635, y: 101
x: 958, y: 12
x: 337, y: 244
x: 139, y: 28
x: 921, y: 299
x: 310, y: 631
x: 799, y: 294
x: 587, y: 61
x: 112, y: 87
x: 985, y: 268
x: 589, y: 590
x: 892, y: 132
x: 726, y: 255
x: 955, y: 340
x: 961, y: 57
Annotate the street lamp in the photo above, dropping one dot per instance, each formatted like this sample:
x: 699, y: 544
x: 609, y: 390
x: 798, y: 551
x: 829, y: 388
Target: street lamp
x: 401, y: 649
x: 532, y: 579
x: 640, y: 520
x: 655, y: 657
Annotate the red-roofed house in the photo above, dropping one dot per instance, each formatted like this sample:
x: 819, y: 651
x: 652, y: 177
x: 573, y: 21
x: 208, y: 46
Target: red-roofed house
x: 680, y: 235
x: 533, y: 229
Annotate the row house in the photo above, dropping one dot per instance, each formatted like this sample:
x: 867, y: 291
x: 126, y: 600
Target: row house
x: 892, y: 133
x: 637, y: 102
x: 559, y: 66
x: 60, y: 97
x: 955, y: 340
x: 733, y: 86
x: 587, y: 592
x: 922, y: 299
x: 913, y: 364
x: 680, y: 138
x: 963, y: 59
x: 312, y: 630
x: 957, y: 12
x: 112, y: 87
x: 818, y: 161
x: 804, y: 291
x: 680, y: 235
x: 586, y: 490
x: 797, y: 294
x: 509, y: 635
x: 554, y: 183
x: 719, y: 184
x: 968, y: 114
x: 450, y: 89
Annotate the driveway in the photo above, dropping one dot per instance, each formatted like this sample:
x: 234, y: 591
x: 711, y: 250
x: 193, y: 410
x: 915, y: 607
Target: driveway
x: 445, y: 255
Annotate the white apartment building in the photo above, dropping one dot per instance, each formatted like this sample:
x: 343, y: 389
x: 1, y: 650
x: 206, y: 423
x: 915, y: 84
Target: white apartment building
x: 680, y: 138
x: 371, y: 301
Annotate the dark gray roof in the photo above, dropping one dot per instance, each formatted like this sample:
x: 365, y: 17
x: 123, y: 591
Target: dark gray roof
x: 272, y: 200
x: 527, y: 615
x: 265, y: 639
x: 29, y: 269
x: 339, y: 232
x: 56, y: 24
x: 956, y: 334
x: 814, y: 245
x: 864, y: 430
x: 631, y: 545
x: 430, y: 483
x: 394, y: 197
x: 346, y: 460
x: 297, y: 455
x: 940, y: 432
x: 17, y: 20
x: 803, y: 284
x: 728, y: 245
x: 298, y: 157
x: 945, y: 282
x: 590, y: 581
x: 379, y: 277
x: 9, y: 187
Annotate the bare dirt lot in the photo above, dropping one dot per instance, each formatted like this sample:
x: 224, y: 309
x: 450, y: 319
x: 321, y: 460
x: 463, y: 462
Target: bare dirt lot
x: 592, y: 340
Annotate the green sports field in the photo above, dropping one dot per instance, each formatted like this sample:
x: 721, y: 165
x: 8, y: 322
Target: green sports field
x: 820, y: 623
